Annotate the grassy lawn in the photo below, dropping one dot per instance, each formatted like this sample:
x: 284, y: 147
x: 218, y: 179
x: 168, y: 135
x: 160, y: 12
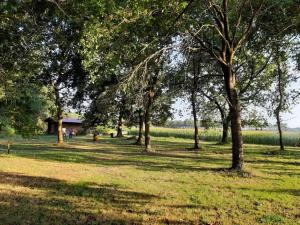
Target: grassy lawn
x: 111, y: 182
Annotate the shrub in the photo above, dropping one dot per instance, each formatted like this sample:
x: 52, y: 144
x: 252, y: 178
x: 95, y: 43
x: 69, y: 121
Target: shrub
x: 104, y: 130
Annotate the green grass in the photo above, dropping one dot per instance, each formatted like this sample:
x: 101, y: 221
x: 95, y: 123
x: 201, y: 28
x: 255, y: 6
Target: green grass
x: 112, y: 182
x: 249, y: 136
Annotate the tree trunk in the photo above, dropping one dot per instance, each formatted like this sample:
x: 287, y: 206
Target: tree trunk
x: 120, y: 125
x: 60, y: 139
x: 8, y: 147
x: 236, y: 133
x: 225, y: 124
x: 95, y: 136
x: 235, y: 112
x: 148, y: 120
x: 141, y: 125
x: 279, y: 130
x: 194, y: 112
x: 151, y: 94
x: 279, y: 107
x: 194, y: 89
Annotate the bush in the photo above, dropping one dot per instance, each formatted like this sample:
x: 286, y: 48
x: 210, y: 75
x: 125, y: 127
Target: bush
x: 104, y: 130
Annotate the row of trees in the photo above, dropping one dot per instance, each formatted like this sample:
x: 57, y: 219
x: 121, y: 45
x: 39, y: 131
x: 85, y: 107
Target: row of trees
x: 127, y: 62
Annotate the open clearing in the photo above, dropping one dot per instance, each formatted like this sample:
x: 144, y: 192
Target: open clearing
x: 111, y: 182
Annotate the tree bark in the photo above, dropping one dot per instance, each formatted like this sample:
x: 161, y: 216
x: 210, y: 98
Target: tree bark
x: 148, y: 120
x: 196, y: 130
x: 120, y: 125
x: 141, y: 126
x: 235, y: 112
x: 60, y: 139
x: 194, y: 112
x: 236, y: 133
x: 59, y: 114
x: 225, y: 122
x: 225, y: 125
x: 194, y: 89
x: 279, y: 107
x: 278, y: 121
x: 8, y: 147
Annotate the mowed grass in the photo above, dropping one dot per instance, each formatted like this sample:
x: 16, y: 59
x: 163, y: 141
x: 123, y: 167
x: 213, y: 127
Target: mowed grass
x: 112, y: 182
x: 249, y: 136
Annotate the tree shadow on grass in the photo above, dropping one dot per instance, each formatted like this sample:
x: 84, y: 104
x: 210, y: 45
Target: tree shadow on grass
x: 280, y: 170
x: 169, y: 155
x: 271, y: 161
x: 64, y: 203
x: 294, y: 192
x: 150, y: 162
x: 123, y: 154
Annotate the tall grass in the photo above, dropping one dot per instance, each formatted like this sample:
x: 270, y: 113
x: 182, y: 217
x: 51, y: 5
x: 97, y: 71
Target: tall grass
x: 249, y: 136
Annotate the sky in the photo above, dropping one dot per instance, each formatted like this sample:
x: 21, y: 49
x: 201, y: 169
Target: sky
x: 291, y: 119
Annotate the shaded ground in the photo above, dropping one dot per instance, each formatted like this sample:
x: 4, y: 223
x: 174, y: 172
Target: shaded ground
x: 111, y: 182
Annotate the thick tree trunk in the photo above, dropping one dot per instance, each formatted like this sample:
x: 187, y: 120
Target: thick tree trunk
x: 148, y: 121
x: 141, y: 126
x: 120, y: 126
x: 236, y: 133
x: 235, y: 112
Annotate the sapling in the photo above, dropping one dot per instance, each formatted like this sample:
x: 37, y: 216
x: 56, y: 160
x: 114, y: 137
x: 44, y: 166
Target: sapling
x: 9, y: 133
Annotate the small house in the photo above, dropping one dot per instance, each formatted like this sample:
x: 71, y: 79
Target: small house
x: 75, y: 124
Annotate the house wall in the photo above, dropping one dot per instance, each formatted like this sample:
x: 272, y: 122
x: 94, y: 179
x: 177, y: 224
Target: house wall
x: 77, y: 127
x: 52, y: 127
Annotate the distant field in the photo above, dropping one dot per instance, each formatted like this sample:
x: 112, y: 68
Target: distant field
x: 249, y: 136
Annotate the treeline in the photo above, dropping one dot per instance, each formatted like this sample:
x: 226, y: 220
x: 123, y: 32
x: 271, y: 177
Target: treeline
x: 180, y: 123
x: 189, y: 123
x: 126, y: 62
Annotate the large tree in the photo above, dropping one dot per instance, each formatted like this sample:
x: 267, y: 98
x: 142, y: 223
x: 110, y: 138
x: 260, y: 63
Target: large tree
x: 62, y: 69
x: 21, y: 99
x: 224, y: 28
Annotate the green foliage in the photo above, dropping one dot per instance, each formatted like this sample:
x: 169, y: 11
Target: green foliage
x: 22, y: 107
x: 104, y: 130
x: 8, y: 132
x: 255, y: 119
x: 21, y: 98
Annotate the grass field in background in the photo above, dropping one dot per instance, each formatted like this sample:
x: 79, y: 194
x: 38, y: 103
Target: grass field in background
x: 249, y: 136
x: 112, y: 182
